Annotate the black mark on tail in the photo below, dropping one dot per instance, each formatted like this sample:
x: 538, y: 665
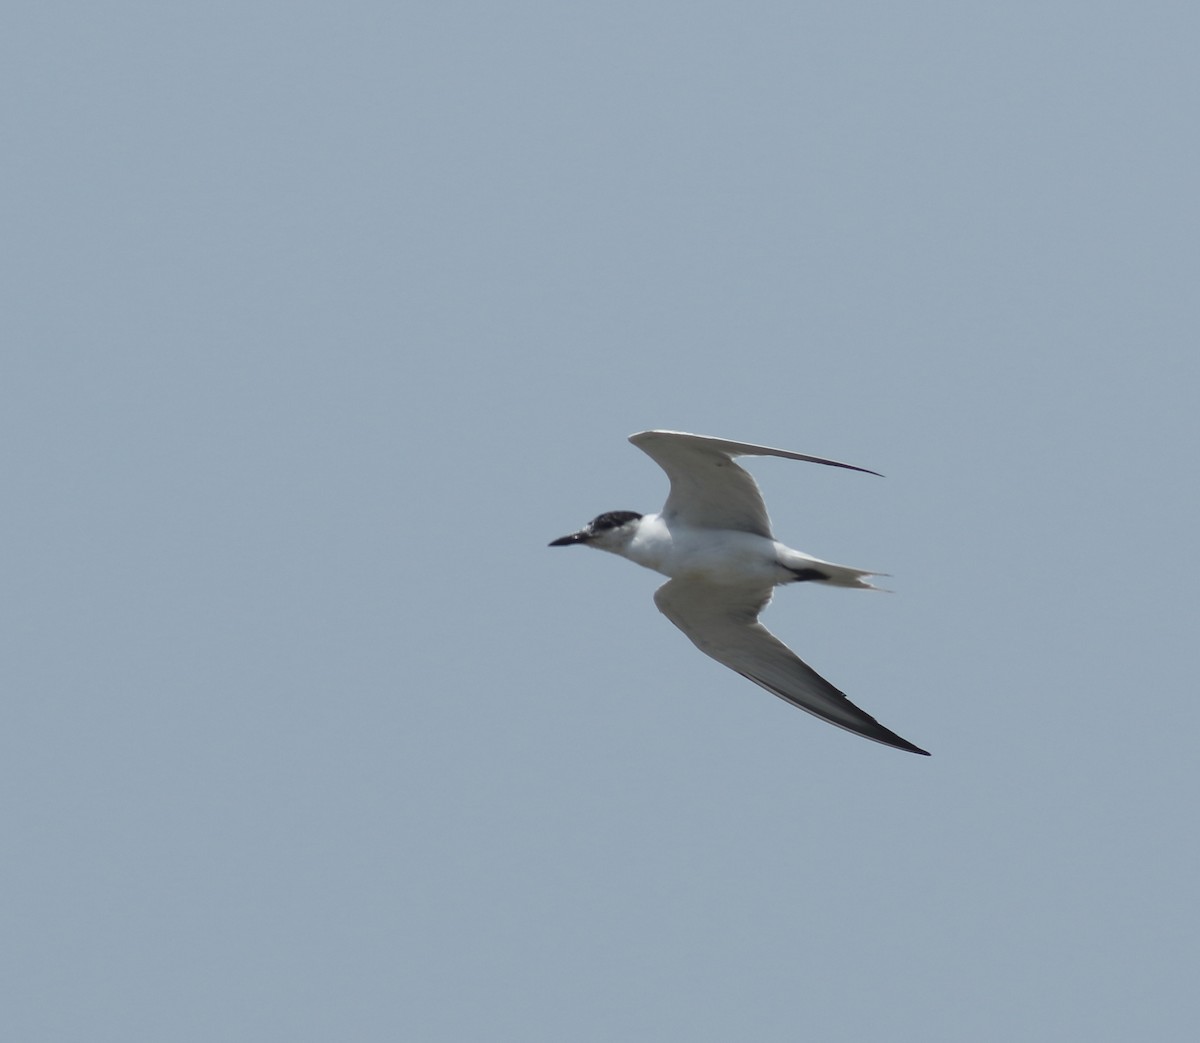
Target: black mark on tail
x: 803, y: 574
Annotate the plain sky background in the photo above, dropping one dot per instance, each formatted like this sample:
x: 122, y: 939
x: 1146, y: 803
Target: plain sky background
x: 320, y: 320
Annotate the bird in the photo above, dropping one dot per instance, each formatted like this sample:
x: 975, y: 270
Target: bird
x: 713, y: 541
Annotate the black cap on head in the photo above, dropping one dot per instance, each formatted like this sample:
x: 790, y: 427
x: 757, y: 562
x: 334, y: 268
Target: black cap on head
x: 612, y: 520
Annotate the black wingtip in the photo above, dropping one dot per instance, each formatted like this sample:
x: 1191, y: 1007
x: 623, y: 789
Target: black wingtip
x: 908, y: 747
x: 863, y: 470
x: 890, y: 738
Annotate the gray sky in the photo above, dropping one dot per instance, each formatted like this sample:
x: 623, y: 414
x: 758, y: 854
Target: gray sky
x: 321, y: 320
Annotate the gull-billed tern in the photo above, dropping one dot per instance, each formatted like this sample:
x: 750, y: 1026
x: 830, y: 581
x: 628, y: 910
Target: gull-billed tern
x: 713, y: 539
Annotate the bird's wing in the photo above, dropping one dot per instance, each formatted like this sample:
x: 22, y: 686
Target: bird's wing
x: 708, y: 490
x: 722, y: 622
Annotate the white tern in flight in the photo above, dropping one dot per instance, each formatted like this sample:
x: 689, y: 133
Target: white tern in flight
x: 713, y: 539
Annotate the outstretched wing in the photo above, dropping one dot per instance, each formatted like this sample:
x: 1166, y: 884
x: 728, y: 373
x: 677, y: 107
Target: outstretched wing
x: 723, y: 623
x: 708, y: 490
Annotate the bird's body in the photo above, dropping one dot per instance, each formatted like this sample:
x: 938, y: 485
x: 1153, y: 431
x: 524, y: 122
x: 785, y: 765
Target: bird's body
x: 713, y: 539
x: 713, y: 555
x: 723, y: 556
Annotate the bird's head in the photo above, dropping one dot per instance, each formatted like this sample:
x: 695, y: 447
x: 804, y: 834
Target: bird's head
x: 608, y: 531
